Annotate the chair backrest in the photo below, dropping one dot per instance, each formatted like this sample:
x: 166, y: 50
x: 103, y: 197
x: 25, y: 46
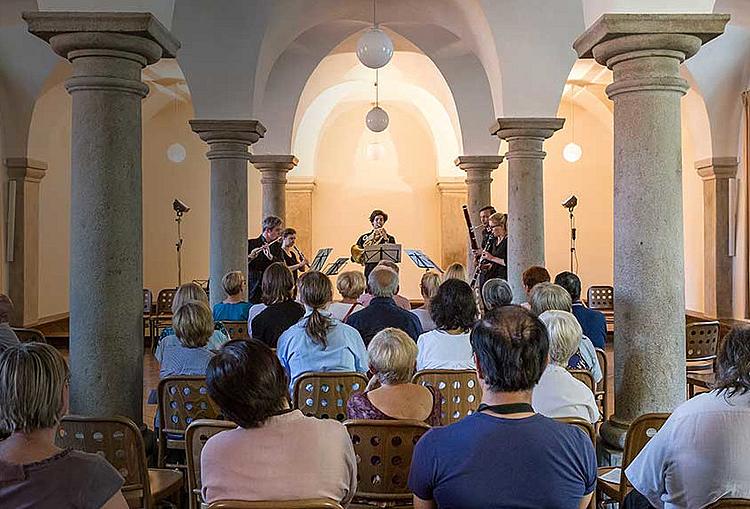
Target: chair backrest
x: 182, y: 400
x: 639, y: 433
x: 119, y: 441
x: 601, y: 388
x: 584, y: 376
x: 196, y: 436
x: 324, y: 395
x: 29, y: 335
x: 318, y: 503
x: 731, y: 502
x: 164, y: 301
x: 236, y: 330
x: 600, y: 297
x: 460, y: 390
x: 148, y: 300
x: 702, y: 339
x: 384, y: 451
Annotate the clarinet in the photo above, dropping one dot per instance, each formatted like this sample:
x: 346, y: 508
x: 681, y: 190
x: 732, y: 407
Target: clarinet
x: 478, y: 269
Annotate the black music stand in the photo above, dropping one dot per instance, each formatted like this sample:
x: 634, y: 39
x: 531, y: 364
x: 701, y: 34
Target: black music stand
x: 320, y: 258
x: 381, y: 252
x: 421, y: 260
x: 334, y: 268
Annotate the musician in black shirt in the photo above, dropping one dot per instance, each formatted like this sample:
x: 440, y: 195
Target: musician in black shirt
x: 495, y: 257
x: 262, y: 252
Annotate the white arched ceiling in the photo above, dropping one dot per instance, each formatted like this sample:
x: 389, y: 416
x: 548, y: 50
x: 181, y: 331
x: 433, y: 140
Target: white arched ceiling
x: 593, y: 9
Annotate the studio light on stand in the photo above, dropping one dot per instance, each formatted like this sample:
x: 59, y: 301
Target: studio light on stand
x: 180, y: 209
x: 570, y: 204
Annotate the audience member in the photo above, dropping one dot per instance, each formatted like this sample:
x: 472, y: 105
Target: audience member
x: 456, y: 271
x: 390, y: 395
x: 282, y: 310
x: 7, y: 335
x: 383, y: 311
x: 700, y: 454
x: 34, y: 472
x: 319, y: 342
x: 351, y: 285
x: 593, y: 322
x: 496, y: 293
x: 193, y: 292
x: 428, y: 287
x: 454, y: 311
x: 532, y: 277
x: 400, y: 301
x: 558, y: 393
x: 276, y: 453
x: 234, y: 308
x: 187, y: 352
x: 549, y: 296
x: 505, y: 455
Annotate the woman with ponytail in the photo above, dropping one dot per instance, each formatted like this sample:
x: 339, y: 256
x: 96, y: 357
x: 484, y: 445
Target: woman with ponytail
x: 319, y: 342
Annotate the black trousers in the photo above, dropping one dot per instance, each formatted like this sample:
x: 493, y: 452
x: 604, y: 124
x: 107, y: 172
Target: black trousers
x: 635, y: 500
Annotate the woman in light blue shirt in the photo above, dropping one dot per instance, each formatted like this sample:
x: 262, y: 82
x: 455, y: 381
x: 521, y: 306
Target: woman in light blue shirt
x: 319, y: 342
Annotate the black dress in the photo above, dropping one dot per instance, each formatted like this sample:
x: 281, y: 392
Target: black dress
x: 291, y: 260
x: 495, y: 270
x: 361, y: 242
x: 257, y: 266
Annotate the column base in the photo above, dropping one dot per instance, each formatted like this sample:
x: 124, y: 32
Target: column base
x: 613, y: 432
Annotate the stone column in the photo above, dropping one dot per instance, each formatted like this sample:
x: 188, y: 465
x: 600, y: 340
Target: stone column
x: 453, y: 245
x: 645, y: 52
x: 229, y: 142
x: 299, y: 212
x: 107, y: 52
x: 24, y: 268
x: 273, y: 170
x: 716, y: 174
x: 525, y: 137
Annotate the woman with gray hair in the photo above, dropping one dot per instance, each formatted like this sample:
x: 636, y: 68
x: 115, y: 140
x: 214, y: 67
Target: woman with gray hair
x: 558, y: 393
x: 390, y: 394
x: 496, y: 292
x: 34, y: 472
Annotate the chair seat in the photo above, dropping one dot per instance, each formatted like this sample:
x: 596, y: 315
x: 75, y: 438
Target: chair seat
x: 164, y: 482
x: 611, y: 489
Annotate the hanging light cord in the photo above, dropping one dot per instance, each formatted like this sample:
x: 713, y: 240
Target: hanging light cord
x: 376, y: 88
x: 374, y: 18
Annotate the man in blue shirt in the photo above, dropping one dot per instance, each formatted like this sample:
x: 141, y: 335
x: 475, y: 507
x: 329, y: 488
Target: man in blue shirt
x: 593, y: 322
x: 383, y: 312
x: 505, y: 454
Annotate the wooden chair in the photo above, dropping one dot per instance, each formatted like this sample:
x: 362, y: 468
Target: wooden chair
x: 590, y: 431
x: 163, y: 312
x: 324, y: 395
x: 120, y: 442
x: 601, y: 392
x: 236, y: 330
x: 384, y: 452
x: 318, y: 503
x: 743, y: 503
x: 584, y: 376
x: 640, y: 432
x: 702, y: 339
x: 196, y: 436
x: 460, y: 390
x: 600, y: 297
x: 29, y: 335
x: 182, y: 400
x: 148, y: 311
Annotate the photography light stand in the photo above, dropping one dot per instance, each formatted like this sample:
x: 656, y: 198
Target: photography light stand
x: 570, y: 204
x: 180, y: 209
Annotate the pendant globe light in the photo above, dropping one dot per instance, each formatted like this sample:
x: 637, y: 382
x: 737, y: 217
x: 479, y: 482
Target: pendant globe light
x: 377, y: 118
x: 572, y: 152
x: 374, y: 48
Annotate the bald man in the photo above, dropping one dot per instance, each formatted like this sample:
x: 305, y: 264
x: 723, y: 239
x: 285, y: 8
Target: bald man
x: 7, y: 336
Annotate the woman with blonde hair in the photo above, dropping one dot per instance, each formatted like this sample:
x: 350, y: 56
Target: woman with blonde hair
x: 456, y: 271
x: 351, y: 285
x: 428, y: 287
x: 34, y: 472
x: 390, y: 394
x: 319, y: 342
x: 281, y: 311
x: 234, y: 308
x: 193, y: 292
x: 187, y: 352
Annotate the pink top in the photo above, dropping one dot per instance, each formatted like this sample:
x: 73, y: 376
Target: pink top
x: 290, y: 457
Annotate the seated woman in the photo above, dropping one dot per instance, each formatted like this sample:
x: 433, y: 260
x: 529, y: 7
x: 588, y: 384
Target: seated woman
x: 428, y: 287
x: 456, y: 271
x: 319, y: 342
x: 390, y: 395
x: 276, y: 453
x: 234, y: 308
x: 496, y: 293
x: 194, y: 292
x: 351, y: 285
x: 558, y: 393
x: 187, y: 352
x: 33, y: 471
x: 281, y: 311
x: 454, y: 311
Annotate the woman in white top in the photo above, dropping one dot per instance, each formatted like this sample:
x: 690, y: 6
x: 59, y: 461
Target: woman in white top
x: 558, y: 393
x: 351, y: 285
x: 454, y: 311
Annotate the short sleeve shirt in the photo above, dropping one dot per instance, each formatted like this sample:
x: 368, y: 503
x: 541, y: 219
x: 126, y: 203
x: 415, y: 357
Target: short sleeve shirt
x: 489, y: 462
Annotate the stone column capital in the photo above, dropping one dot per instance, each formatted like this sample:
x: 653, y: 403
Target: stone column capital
x: 716, y: 168
x: 478, y: 168
x: 456, y: 186
x: 301, y: 185
x: 274, y: 162
x: 510, y: 128
x: 228, y: 139
x: 25, y: 169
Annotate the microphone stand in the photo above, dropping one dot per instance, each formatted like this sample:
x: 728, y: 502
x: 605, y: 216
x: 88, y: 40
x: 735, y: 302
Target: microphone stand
x: 178, y: 245
x: 572, y: 238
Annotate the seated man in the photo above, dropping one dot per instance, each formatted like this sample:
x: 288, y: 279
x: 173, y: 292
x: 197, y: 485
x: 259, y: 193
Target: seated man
x: 700, y: 454
x: 7, y: 335
x: 505, y: 455
x: 400, y: 300
x: 382, y: 311
x: 593, y: 322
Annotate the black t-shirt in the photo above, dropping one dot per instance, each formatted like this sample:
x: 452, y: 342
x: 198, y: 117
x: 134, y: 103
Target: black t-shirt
x: 258, y: 265
x: 271, y: 323
x: 500, y: 250
x: 290, y: 260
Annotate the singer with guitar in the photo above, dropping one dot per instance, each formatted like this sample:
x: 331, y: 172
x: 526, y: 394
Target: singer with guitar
x: 262, y: 252
x: 293, y: 257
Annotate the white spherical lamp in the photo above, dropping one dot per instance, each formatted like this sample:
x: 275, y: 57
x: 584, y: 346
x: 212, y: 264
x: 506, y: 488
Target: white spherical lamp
x: 375, y: 151
x: 374, y: 48
x: 572, y: 152
x: 176, y: 153
x: 377, y: 119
